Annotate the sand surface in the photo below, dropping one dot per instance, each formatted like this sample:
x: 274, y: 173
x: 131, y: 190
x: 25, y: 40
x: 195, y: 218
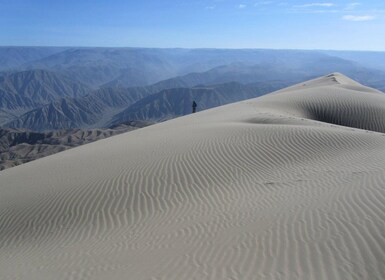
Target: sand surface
x: 287, y: 186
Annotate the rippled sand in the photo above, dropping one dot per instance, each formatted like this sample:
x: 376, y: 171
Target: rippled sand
x: 287, y: 186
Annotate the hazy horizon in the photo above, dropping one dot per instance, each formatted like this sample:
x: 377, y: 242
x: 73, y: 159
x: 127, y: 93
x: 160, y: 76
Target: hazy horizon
x: 218, y: 24
x: 192, y: 48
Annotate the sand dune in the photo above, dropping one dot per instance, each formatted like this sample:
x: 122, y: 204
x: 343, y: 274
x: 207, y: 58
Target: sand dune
x: 286, y: 186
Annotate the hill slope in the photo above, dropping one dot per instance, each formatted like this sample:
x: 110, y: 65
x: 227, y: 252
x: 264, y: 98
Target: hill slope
x: 97, y: 66
x: 41, y: 86
x: 14, y: 57
x: 23, y: 91
x: 90, y: 111
x: 176, y: 102
x: 262, y: 188
x: 21, y: 146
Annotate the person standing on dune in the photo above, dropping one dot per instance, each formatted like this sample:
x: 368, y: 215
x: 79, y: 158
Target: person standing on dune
x: 194, y: 106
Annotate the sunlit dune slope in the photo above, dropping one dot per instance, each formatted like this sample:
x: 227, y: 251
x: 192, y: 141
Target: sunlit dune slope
x: 287, y: 186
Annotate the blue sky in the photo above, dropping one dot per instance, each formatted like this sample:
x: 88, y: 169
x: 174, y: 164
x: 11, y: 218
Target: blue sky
x: 298, y: 24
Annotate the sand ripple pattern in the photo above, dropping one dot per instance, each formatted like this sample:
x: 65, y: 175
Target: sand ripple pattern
x: 287, y: 186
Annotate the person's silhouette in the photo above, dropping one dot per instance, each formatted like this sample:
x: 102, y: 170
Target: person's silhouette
x: 194, y: 106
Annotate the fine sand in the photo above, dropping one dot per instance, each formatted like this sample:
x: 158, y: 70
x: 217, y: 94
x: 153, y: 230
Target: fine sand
x: 287, y: 186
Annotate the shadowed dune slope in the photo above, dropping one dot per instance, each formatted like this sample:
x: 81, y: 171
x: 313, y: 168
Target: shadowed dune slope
x: 334, y: 99
x: 260, y: 189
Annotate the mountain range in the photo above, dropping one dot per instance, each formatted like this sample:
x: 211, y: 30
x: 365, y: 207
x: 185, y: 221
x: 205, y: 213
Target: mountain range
x: 46, y: 89
x: 90, y: 111
x: 170, y: 103
x: 60, y: 89
x: 128, y: 67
